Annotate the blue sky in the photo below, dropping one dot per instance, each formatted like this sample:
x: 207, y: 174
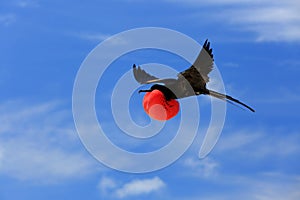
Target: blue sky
x: 256, y: 46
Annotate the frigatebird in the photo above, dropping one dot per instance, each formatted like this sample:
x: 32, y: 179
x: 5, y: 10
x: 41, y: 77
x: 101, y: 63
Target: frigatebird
x: 189, y: 82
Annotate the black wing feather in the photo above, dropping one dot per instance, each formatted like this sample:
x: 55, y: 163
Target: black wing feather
x: 142, y: 76
x: 203, y: 64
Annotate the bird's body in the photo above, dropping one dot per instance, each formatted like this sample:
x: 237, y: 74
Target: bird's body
x: 190, y: 82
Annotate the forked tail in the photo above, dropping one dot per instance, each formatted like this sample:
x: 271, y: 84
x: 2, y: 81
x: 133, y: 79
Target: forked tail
x: 226, y: 97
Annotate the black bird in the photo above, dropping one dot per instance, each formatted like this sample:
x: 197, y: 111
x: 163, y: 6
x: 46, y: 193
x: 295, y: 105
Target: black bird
x: 191, y: 81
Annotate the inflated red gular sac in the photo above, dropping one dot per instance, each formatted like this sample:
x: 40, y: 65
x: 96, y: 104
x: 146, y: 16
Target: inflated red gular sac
x: 158, y: 107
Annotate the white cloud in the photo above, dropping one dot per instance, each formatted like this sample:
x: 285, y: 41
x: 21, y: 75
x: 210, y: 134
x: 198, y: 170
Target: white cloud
x: 257, y: 190
x: 107, y: 184
x: 263, y: 186
x: 257, y: 163
x: 238, y: 140
x: 25, y: 160
x: 110, y: 188
x: 99, y: 37
x: 269, y: 186
x: 7, y: 19
x: 38, y: 143
x: 259, y: 144
x: 269, y: 20
x: 207, y: 168
x: 94, y: 37
x: 27, y: 3
x: 266, y: 190
x: 139, y: 187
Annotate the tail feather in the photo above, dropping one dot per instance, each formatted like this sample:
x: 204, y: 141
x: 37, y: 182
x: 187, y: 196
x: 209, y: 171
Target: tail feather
x: 226, y: 97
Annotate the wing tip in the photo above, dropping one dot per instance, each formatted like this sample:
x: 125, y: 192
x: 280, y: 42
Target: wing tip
x: 208, y: 49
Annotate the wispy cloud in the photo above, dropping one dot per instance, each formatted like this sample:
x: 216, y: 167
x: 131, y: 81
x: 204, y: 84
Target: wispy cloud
x: 27, y: 3
x: 257, y: 188
x: 238, y: 140
x: 139, y: 187
x: 248, y: 152
x: 276, y: 188
x: 260, y: 144
x: 207, y: 168
x: 25, y: 160
x: 269, y: 20
x: 106, y: 185
x: 7, y: 19
x: 99, y: 37
x: 94, y: 37
x: 38, y: 143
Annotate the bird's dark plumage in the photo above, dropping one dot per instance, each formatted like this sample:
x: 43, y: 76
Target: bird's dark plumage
x: 189, y: 82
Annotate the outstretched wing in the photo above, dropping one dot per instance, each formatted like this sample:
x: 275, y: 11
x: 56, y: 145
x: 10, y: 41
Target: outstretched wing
x: 143, y: 77
x: 203, y: 64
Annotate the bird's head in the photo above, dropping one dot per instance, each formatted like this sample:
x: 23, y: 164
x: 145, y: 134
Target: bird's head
x: 166, y: 91
x: 155, y: 87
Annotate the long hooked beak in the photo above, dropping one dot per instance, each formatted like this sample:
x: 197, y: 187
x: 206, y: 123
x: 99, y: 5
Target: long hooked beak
x: 145, y: 91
